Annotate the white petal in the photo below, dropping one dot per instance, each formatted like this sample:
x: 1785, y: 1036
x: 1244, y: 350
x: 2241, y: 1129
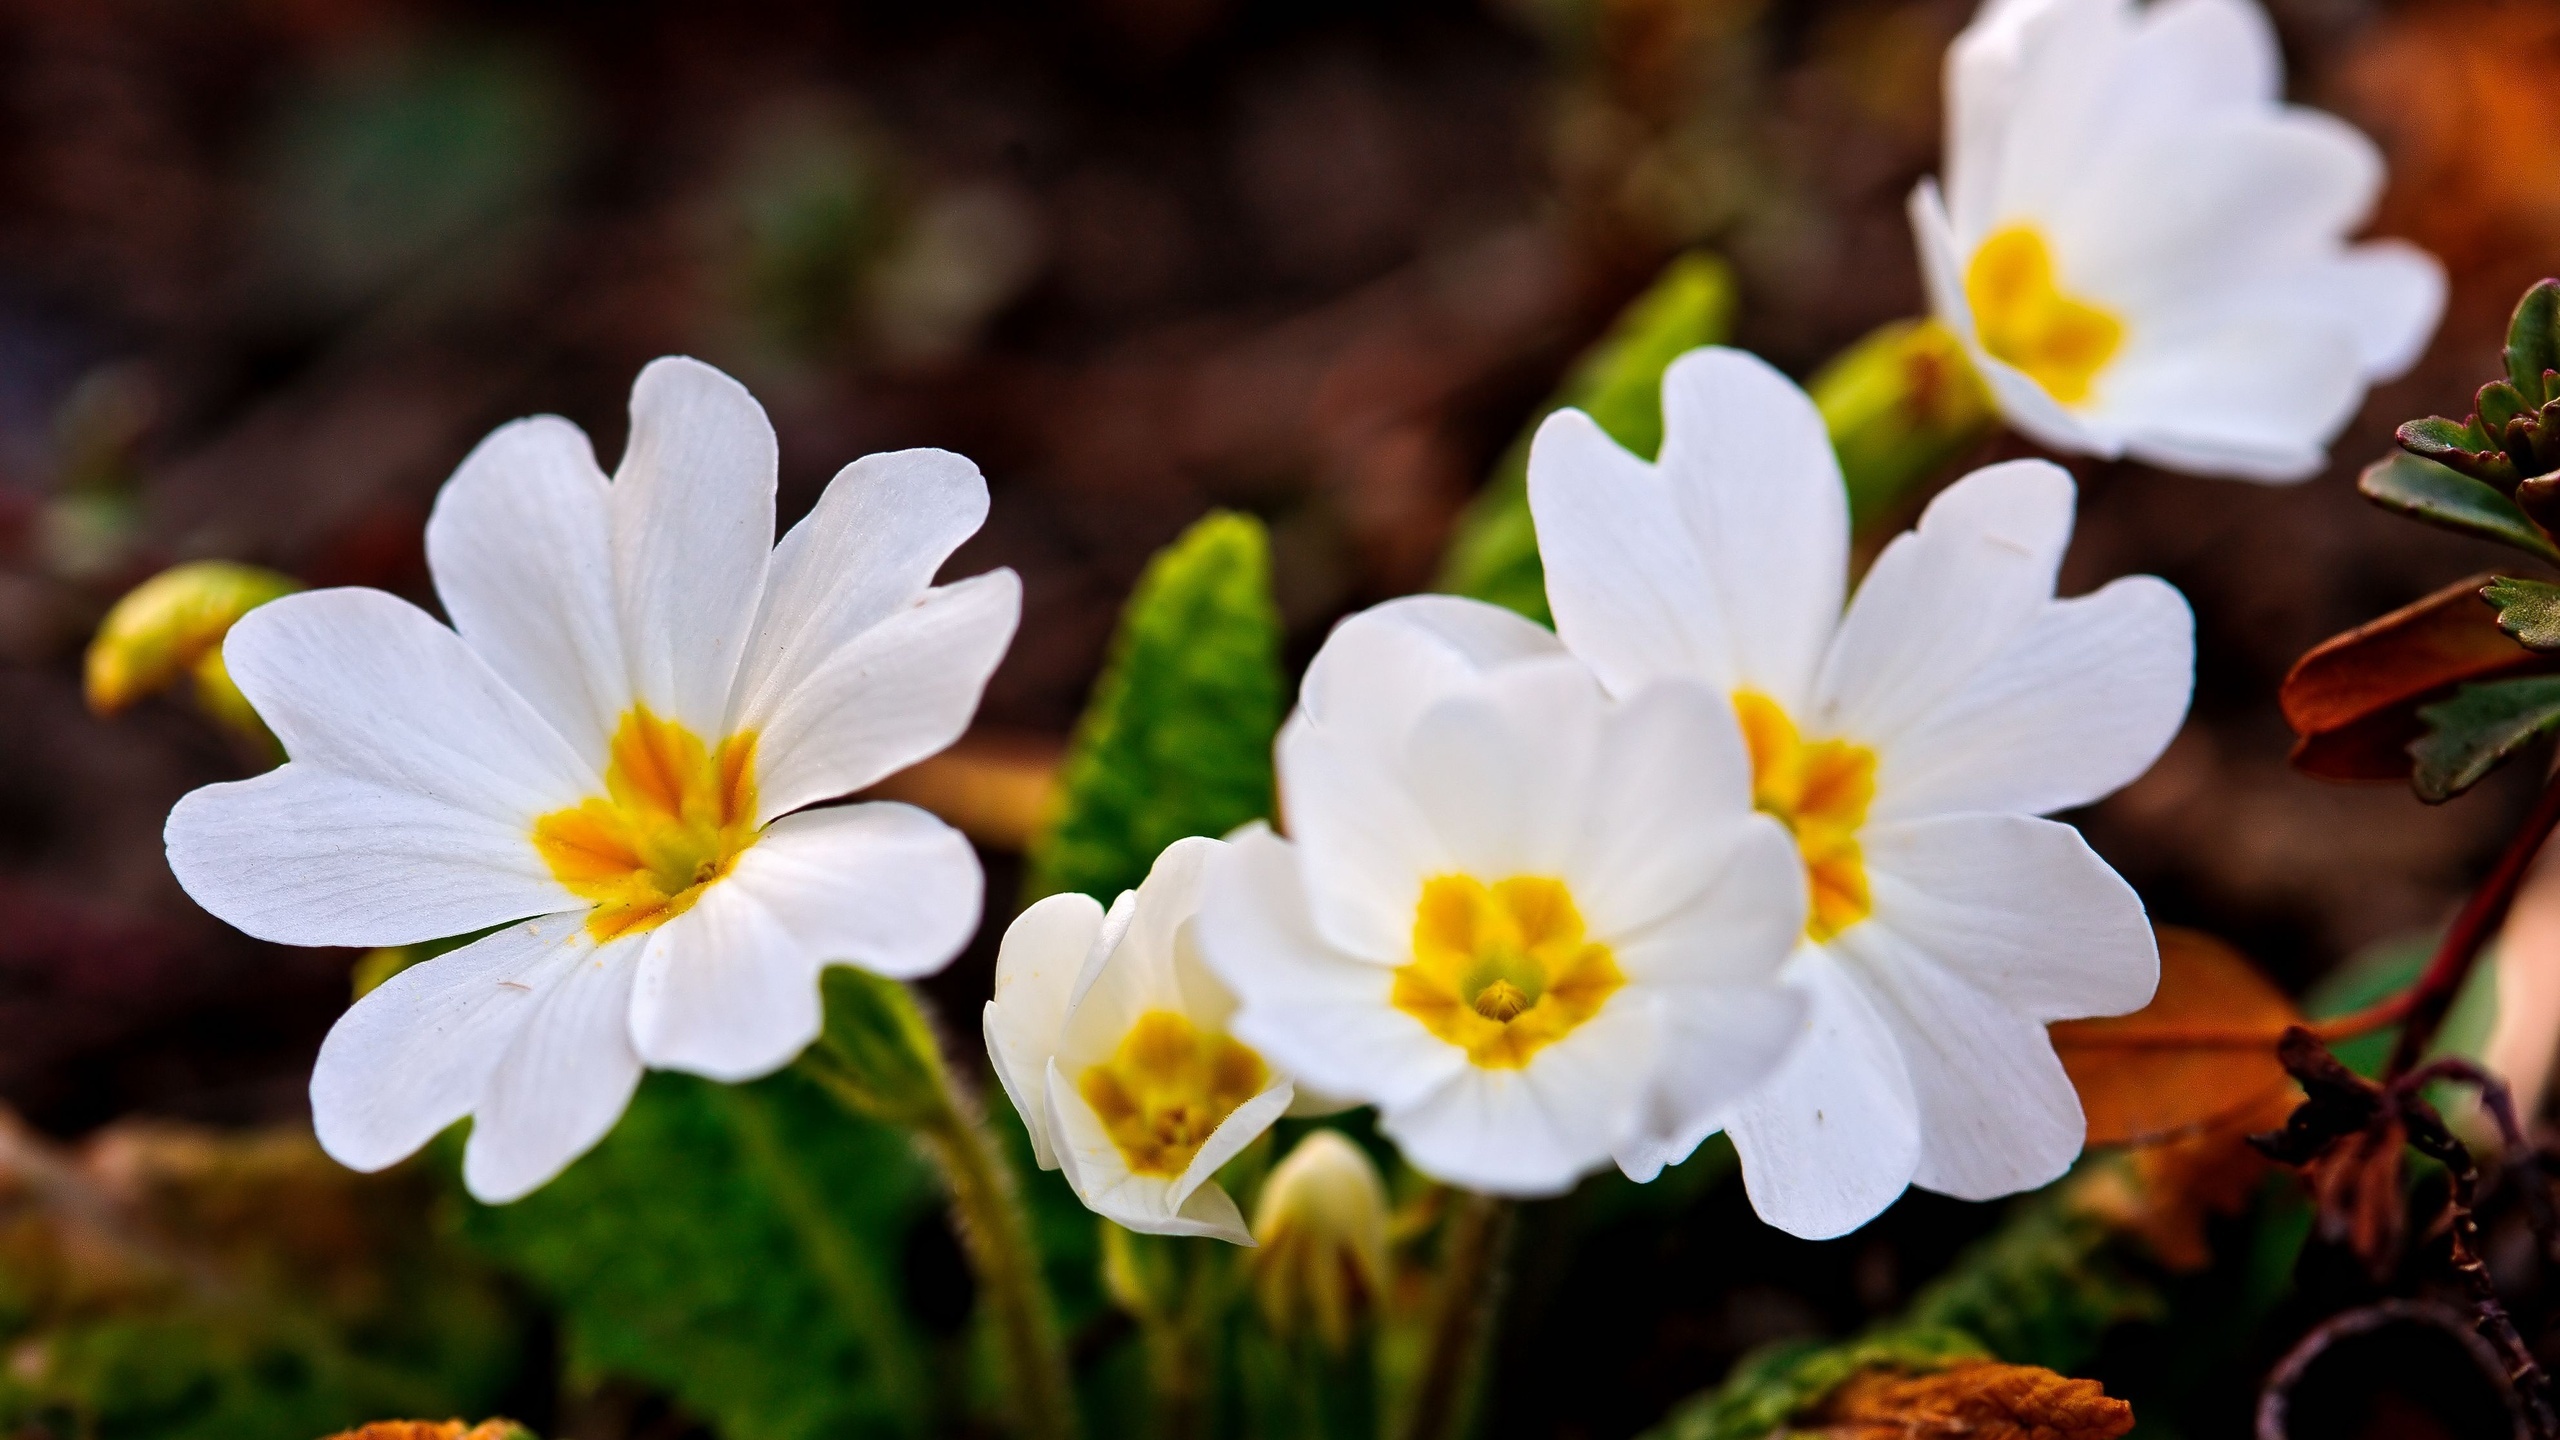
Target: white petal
x: 1944, y: 599
x: 1627, y: 582
x: 2391, y: 292
x: 1166, y: 902
x: 2254, y: 393
x: 1834, y: 1137
x: 1103, y: 1181
x: 2072, y: 710
x: 1717, y: 1043
x: 1737, y: 922
x: 1362, y: 840
x: 1997, y: 1113
x: 865, y: 552
x: 1242, y: 1127
x: 2021, y: 908
x: 520, y: 543
x: 1381, y: 668
x: 725, y: 991
x: 1668, y: 802
x: 1315, y: 1013
x: 1043, y: 949
x: 2069, y: 54
x: 2023, y: 403
x: 1750, y: 466
x: 416, y: 1054
x: 884, y: 886
x: 1500, y: 770
x: 2191, y: 57
x: 692, y: 536
x: 1535, y: 1130
x: 894, y: 694
x: 563, y: 1082
x: 301, y: 856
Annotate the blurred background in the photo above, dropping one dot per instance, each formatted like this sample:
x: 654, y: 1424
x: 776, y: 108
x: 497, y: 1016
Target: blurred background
x: 268, y: 269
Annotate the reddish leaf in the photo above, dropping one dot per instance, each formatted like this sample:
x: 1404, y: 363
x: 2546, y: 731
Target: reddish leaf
x: 2353, y: 699
x: 2200, y: 1056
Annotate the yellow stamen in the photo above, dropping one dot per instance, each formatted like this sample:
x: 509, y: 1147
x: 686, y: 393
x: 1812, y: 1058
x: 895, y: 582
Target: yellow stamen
x: 1502, y: 970
x: 1167, y: 1088
x: 2023, y: 316
x: 674, y: 818
x: 1819, y: 790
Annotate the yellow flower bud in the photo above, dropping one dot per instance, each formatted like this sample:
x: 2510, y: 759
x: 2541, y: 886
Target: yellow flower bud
x: 1902, y: 405
x: 171, y: 627
x: 1322, y: 1230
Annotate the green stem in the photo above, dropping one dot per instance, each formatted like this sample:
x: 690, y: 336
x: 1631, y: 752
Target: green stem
x: 1474, y: 1266
x: 881, y: 1058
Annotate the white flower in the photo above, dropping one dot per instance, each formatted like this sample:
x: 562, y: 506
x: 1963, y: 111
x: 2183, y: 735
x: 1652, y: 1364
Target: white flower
x: 2144, y: 250
x: 1907, y: 745
x: 1536, y: 927
x: 638, y: 692
x: 1111, y: 1039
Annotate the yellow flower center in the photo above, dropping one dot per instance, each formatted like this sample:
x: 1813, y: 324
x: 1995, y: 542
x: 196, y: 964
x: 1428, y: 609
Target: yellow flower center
x: 2023, y: 316
x: 1820, y: 791
x: 1502, y: 970
x: 1167, y: 1088
x: 674, y: 818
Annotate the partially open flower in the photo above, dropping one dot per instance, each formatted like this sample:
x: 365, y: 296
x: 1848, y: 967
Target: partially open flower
x: 619, y: 737
x: 1322, y: 1221
x: 1111, y: 1038
x: 1537, y: 927
x: 1907, y: 747
x: 2144, y: 249
x: 171, y: 628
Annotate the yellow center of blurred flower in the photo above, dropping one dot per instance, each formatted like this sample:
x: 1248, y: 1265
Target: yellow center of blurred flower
x: 1502, y: 970
x: 1167, y: 1087
x: 2023, y: 316
x: 1820, y: 791
x: 674, y: 818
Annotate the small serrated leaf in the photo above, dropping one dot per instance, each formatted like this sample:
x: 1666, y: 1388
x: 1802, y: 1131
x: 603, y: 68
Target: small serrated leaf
x: 2529, y: 610
x: 2498, y: 405
x: 2533, y: 339
x: 2478, y: 730
x: 2424, y: 490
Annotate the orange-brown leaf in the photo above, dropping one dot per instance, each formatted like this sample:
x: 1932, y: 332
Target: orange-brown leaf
x: 2353, y: 698
x: 436, y: 1430
x: 2200, y: 1054
x: 1976, y: 1400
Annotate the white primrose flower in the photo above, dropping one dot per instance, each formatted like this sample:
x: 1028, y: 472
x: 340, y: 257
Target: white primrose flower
x: 610, y: 754
x: 1535, y: 926
x: 1908, y: 746
x: 2144, y: 249
x: 1111, y: 1039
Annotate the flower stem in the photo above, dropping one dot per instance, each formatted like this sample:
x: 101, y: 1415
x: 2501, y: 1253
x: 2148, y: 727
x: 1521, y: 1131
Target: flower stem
x: 881, y: 1058
x: 1474, y: 1266
x: 2428, y: 1000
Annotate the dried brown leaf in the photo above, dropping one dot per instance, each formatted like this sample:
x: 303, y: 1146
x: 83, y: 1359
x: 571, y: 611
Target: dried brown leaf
x: 1973, y: 1400
x: 436, y: 1430
x: 2198, y: 1057
x: 2353, y: 698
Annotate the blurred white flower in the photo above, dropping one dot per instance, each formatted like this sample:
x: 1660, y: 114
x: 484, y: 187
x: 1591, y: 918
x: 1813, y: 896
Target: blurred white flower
x: 1322, y: 1222
x: 1536, y: 927
x: 1110, y: 1037
x: 638, y: 691
x: 2144, y: 249
x: 1907, y: 746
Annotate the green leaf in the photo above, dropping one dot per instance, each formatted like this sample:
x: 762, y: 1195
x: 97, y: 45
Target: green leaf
x: 2529, y: 610
x: 2480, y: 728
x: 2533, y: 341
x: 2424, y: 490
x: 1493, y: 555
x: 1771, y: 1387
x: 738, y: 1248
x: 1177, y: 738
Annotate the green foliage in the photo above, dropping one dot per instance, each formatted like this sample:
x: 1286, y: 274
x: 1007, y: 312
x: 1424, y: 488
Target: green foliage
x: 737, y: 1247
x: 1901, y: 404
x: 2529, y: 610
x: 1177, y: 738
x: 2382, y: 970
x: 2512, y: 436
x: 1772, y: 1387
x: 1618, y: 382
x: 2041, y: 1289
x: 2426, y: 491
x: 2478, y: 730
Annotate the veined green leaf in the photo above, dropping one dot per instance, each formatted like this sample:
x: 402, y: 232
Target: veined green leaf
x: 737, y: 1247
x: 1493, y: 555
x: 2529, y: 610
x: 1177, y: 738
x: 2533, y: 341
x: 2479, y: 729
x: 2424, y: 490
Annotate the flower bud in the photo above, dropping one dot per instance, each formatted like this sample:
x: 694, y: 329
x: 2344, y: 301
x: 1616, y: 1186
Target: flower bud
x: 1322, y: 1231
x: 1902, y: 404
x: 171, y: 626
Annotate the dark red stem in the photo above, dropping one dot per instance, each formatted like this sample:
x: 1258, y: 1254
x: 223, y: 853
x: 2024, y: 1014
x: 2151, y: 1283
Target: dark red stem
x: 2481, y: 916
